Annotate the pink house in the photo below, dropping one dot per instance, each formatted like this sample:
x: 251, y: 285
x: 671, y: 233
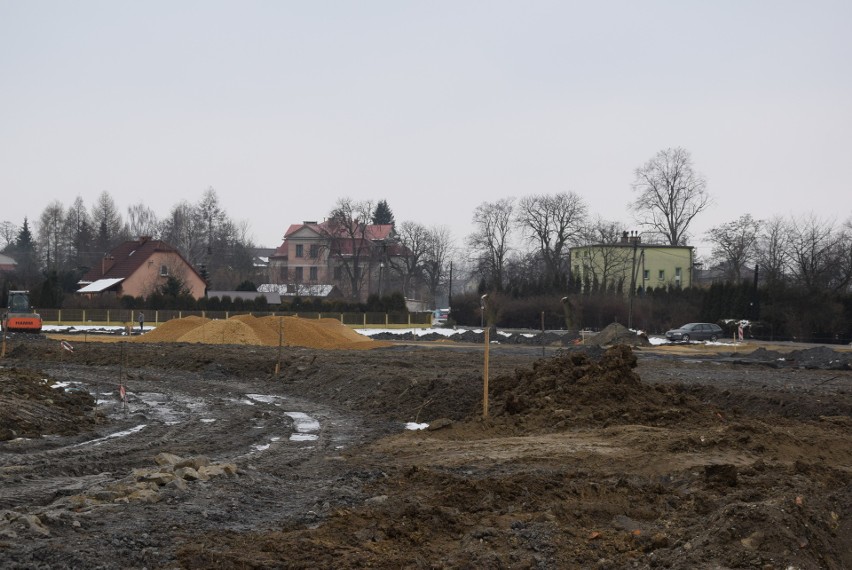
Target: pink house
x: 354, y: 258
x: 138, y: 268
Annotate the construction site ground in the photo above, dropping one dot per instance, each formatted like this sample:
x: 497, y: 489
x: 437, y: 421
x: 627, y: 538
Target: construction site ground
x: 591, y: 457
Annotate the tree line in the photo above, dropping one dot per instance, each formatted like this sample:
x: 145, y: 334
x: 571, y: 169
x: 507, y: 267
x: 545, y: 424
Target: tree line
x: 69, y: 240
x: 518, y: 249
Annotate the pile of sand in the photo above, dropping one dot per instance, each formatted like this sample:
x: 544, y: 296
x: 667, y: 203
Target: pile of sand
x: 264, y: 331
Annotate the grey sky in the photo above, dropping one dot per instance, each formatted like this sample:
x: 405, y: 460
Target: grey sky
x: 283, y: 107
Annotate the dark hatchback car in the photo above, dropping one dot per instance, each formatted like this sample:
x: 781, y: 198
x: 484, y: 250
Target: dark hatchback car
x: 694, y: 331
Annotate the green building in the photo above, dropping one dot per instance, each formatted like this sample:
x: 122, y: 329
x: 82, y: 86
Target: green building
x: 617, y: 265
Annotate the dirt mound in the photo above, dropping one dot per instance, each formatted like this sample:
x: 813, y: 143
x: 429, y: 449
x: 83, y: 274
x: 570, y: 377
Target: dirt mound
x: 575, y: 388
x: 31, y: 407
x: 264, y: 331
x: 618, y: 334
x: 816, y: 358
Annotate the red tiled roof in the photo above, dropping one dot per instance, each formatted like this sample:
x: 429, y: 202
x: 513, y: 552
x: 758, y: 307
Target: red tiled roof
x: 125, y: 259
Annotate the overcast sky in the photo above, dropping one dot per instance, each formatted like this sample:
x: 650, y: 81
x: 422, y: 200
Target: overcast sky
x: 283, y: 107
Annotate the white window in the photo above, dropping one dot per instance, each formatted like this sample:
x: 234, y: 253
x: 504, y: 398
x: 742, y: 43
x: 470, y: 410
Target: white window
x: 164, y: 271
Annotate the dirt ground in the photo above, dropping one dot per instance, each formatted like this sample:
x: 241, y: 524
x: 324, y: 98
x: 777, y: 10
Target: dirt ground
x: 591, y: 457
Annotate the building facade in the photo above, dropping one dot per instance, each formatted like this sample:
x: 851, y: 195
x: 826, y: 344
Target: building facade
x: 139, y: 268
x: 630, y: 262
x: 354, y: 258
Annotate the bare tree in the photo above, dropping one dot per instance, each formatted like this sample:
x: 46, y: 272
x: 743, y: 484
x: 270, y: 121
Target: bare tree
x: 8, y: 232
x: 772, y: 251
x: 80, y: 236
x: 185, y: 230
x: 142, y: 221
x: 490, y: 240
x: 813, y: 246
x: 50, y: 236
x: 553, y: 222
x: 414, y: 238
x: 606, y: 266
x: 844, y: 258
x: 107, y: 223
x: 436, y: 259
x: 671, y: 194
x: 347, y: 236
x: 735, y: 243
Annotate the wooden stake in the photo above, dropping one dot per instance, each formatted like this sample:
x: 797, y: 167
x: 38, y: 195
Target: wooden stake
x: 280, y: 343
x: 485, y: 378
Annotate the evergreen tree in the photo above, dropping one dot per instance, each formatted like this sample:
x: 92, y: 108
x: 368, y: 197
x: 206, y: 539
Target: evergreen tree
x: 24, y: 241
x: 24, y: 253
x: 383, y: 215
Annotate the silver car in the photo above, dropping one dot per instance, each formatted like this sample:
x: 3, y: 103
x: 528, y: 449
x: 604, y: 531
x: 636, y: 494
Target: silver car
x: 694, y: 331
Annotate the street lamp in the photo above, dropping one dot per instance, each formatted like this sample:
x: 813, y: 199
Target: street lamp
x: 381, y: 277
x: 482, y: 310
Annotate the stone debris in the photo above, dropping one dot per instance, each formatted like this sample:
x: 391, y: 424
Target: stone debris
x: 144, y: 485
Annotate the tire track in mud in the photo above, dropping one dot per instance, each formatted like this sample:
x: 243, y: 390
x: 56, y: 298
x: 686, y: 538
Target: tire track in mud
x: 250, y: 424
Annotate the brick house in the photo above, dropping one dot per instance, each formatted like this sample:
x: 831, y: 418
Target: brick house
x: 355, y: 259
x: 137, y: 268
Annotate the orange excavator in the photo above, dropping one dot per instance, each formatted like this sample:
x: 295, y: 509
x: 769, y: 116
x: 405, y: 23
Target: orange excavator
x: 20, y: 316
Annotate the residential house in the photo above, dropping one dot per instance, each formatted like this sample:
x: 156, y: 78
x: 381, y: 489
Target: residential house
x: 138, y: 268
x: 355, y: 258
x: 631, y: 261
x: 7, y: 264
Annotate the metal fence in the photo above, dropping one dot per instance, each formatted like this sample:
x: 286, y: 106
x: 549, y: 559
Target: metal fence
x: 125, y: 316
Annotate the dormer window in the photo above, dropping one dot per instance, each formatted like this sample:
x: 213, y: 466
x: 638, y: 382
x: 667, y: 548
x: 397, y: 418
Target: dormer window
x: 164, y: 271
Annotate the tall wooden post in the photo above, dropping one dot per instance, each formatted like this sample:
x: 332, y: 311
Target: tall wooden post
x: 485, y: 378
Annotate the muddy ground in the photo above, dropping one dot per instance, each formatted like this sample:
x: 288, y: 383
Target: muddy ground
x: 590, y: 458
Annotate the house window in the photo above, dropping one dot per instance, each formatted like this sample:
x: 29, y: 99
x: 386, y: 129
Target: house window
x: 677, y: 275
x: 164, y: 271
x: 300, y: 250
x: 314, y: 251
x: 662, y: 275
x: 646, y: 274
x: 313, y: 273
x: 299, y: 274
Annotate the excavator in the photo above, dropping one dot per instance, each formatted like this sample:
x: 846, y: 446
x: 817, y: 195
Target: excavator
x: 20, y: 316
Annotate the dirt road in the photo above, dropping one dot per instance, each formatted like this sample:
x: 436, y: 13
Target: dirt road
x: 588, y: 459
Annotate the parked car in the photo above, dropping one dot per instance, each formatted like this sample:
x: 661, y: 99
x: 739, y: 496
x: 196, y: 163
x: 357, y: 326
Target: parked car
x: 694, y: 331
x: 439, y: 317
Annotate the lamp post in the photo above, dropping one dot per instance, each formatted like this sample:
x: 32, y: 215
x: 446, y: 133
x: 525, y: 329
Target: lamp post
x: 482, y: 310
x: 381, y: 277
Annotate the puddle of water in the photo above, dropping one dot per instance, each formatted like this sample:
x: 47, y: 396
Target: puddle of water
x: 304, y: 437
x: 124, y: 433
x: 415, y: 426
x: 305, y: 427
x: 264, y: 398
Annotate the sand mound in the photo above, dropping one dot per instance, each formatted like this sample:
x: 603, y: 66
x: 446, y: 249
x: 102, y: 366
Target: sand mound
x: 264, y: 331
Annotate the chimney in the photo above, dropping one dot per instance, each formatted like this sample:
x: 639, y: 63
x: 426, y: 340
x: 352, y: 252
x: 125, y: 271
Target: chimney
x: 106, y: 264
x: 623, y: 237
